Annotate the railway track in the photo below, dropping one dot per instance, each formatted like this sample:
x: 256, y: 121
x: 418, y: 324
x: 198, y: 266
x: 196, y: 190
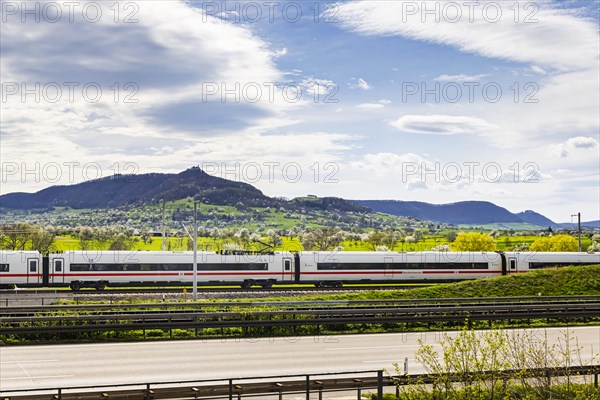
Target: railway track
x: 50, y: 296
x: 210, y: 289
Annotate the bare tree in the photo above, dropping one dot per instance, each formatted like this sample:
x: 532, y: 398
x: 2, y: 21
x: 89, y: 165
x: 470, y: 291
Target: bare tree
x: 16, y: 236
x: 42, y: 240
x: 322, y: 239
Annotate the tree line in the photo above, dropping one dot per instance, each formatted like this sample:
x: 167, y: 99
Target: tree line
x: 23, y: 236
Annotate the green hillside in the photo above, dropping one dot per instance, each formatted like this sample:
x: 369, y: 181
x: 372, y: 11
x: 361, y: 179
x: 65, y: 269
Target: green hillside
x: 579, y: 280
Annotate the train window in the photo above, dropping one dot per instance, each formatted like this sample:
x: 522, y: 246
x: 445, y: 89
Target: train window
x: 58, y: 265
x: 32, y: 265
x: 537, y: 265
x: 169, y: 267
x: 513, y: 264
x: 79, y: 267
x: 287, y: 265
x: 4, y: 267
x: 401, y: 266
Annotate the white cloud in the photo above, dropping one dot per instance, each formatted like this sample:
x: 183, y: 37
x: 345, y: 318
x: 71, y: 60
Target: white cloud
x: 443, y: 125
x: 561, y: 49
x: 580, y: 142
x: 280, y: 53
x: 580, y: 145
x: 363, y: 84
x: 318, y: 88
x: 460, y: 78
x: 360, y: 84
x: 412, y: 172
x: 559, y: 39
x: 538, y: 70
x: 370, y: 106
x: 169, y: 65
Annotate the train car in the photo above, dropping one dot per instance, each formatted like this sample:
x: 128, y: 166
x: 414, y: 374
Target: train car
x: 526, y: 261
x: 98, y: 269
x: 22, y: 268
x: 337, y: 268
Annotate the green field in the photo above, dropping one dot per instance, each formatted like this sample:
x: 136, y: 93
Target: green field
x: 64, y: 243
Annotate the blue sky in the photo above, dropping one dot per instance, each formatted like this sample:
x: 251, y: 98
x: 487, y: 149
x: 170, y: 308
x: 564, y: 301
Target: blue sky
x: 436, y: 102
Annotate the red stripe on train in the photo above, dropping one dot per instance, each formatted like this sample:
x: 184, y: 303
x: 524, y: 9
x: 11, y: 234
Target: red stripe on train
x: 173, y: 274
x: 393, y: 272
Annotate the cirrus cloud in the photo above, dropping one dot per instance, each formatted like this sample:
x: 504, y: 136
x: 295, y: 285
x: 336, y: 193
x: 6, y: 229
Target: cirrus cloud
x: 443, y: 125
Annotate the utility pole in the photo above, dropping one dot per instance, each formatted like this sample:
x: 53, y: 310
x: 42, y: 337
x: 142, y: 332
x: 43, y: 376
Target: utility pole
x: 578, y: 215
x: 164, y: 230
x: 195, y: 268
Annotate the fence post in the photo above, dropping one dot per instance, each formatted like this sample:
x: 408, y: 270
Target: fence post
x: 230, y: 389
x: 148, y: 391
x: 307, y: 387
x: 595, y: 380
x: 320, y: 387
x: 279, y: 387
x: 358, y: 383
x: 380, y: 385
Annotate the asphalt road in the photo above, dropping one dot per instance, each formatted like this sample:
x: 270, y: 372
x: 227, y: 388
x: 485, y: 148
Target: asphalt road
x: 52, y: 366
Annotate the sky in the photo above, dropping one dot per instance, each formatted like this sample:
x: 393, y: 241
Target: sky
x: 437, y: 101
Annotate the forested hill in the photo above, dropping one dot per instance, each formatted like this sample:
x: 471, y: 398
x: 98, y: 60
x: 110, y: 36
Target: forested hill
x: 465, y: 212
x: 124, y: 190
x: 119, y: 190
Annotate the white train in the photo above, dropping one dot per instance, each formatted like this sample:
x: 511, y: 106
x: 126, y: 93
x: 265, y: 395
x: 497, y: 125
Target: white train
x: 98, y: 269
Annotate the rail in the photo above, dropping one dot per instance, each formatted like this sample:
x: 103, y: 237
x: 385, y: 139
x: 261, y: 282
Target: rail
x: 198, y: 318
x: 8, y: 298
x: 322, y: 303
x: 48, y: 296
x: 238, y: 388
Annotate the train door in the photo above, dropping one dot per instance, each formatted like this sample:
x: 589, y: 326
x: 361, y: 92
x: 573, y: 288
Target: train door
x: 512, y: 265
x: 287, y: 273
x: 388, y: 263
x: 33, y: 275
x: 58, y: 270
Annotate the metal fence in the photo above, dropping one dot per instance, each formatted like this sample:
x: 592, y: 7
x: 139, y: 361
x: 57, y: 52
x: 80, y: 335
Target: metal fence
x: 92, y: 319
x: 278, y: 386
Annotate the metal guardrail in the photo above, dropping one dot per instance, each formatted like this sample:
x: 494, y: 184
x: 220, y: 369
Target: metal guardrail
x: 319, y: 303
x: 238, y: 388
x: 200, y: 319
x: 47, y: 301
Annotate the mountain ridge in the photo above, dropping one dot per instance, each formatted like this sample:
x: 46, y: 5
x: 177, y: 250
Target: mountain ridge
x: 120, y: 190
x: 151, y: 188
x: 131, y: 190
x: 471, y: 212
